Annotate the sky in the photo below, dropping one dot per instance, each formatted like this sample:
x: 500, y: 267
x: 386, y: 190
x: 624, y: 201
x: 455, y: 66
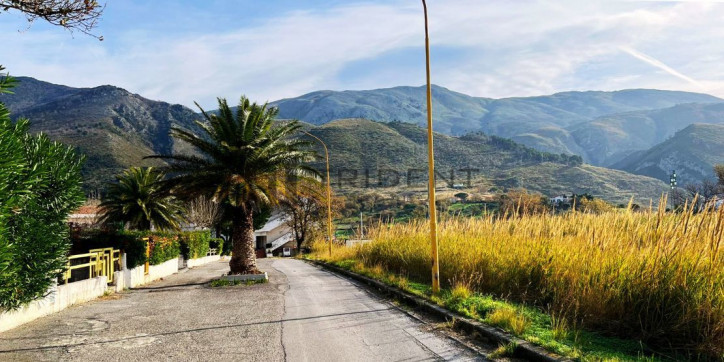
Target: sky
x: 186, y: 51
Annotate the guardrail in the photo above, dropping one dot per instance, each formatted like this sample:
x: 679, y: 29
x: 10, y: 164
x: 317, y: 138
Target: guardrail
x: 101, y: 262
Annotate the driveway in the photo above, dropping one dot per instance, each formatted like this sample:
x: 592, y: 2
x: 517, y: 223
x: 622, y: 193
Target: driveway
x: 302, y: 314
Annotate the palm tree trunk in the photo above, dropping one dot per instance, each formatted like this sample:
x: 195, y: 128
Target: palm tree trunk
x: 243, y: 260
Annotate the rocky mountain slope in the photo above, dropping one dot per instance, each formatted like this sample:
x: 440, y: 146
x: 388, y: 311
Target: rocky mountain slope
x: 692, y: 152
x: 609, y: 139
x: 114, y: 128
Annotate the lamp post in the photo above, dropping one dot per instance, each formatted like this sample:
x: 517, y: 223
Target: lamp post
x: 672, y: 182
x: 329, y: 191
x: 431, y: 166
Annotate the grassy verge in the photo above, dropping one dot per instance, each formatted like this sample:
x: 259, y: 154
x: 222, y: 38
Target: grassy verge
x: 218, y: 283
x: 525, y: 322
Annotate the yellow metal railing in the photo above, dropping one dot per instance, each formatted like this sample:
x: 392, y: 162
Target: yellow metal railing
x: 107, y: 258
x: 101, y: 262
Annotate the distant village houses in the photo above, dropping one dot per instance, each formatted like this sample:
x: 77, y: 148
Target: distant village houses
x: 87, y: 216
x: 560, y: 200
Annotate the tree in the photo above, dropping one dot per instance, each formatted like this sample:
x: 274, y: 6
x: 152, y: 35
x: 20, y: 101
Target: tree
x: 40, y: 184
x: 204, y: 212
x: 140, y: 202
x: 594, y: 206
x: 306, y: 217
x: 81, y: 15
x: 246, y: 160
x: 463, y: 196
x: 706, y: 189
x: 520, y: 202
x: 307, y: 211
x: 719, y: 172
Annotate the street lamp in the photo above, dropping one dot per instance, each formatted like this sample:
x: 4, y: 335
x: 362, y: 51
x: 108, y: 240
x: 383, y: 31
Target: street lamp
x: 329, y: 191
x: 672, y: 182
x: 431, y: 166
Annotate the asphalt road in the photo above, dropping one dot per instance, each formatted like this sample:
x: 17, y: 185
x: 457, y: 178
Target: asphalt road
x: 302, y: 314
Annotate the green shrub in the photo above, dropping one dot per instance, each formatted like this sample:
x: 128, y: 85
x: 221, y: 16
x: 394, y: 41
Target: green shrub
x: 195, y: 244
x: 164, y: 247
x: 135, y: 249
x: 40, y: 184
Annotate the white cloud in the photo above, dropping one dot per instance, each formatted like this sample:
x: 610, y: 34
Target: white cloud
x: 510, y: 48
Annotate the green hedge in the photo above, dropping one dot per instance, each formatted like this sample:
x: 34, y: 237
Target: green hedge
x: 165, y: 245
x: 195, y: 244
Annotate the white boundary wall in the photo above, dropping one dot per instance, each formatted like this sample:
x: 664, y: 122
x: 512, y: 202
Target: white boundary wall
x: 131, y: 278
x: 59, y: 297
x: 63, y: 296
x: 192, y: 263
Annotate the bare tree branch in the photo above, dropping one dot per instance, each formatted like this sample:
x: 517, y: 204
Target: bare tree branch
x: 81, y: 15
x: 204, y: 212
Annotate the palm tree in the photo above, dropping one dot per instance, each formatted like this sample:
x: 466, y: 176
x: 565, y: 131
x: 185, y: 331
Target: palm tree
x: 139, y: 201
x: 246, y: 161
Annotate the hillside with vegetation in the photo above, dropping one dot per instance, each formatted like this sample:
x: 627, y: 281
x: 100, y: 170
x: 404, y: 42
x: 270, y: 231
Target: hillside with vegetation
x: 116, y: 129
x: 609, y: 139
x: 601, y: 127
x: 112, y: 127
x: 364, y: 152
x: 692, y: 152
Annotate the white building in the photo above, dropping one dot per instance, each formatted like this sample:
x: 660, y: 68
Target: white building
x: 560, y: 200
x: 275, y: 238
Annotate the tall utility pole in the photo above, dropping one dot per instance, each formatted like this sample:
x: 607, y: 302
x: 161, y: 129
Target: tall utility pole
x: 672, y: 182
x: 431, y: 166
x: 329, y: 192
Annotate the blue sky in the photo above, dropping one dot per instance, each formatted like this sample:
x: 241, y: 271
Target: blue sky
x: 186, y: 51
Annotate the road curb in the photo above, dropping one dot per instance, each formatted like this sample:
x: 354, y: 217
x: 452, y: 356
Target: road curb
x: 487, y: 333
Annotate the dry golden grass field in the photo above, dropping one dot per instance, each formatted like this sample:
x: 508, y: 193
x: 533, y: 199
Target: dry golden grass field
x: 649, y: 276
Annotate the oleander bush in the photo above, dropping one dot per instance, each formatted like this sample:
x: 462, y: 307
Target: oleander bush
x: 651, y: 276
x: 40, y: 184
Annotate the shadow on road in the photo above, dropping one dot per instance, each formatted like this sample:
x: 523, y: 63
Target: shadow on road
x: 42, y: 348
x: 178, y: 286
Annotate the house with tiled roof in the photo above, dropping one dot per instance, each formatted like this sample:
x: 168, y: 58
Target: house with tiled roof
x: 85, y: 216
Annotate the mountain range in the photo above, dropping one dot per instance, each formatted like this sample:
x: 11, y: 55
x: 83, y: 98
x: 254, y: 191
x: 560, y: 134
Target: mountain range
x: 602, y: 127
x: 116, y: 129
x: 112, y: 127
x: 690, y: 152
x: 364, y: 152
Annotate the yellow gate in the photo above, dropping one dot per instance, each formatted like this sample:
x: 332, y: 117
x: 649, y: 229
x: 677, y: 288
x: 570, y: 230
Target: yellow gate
x: 100, y: 262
